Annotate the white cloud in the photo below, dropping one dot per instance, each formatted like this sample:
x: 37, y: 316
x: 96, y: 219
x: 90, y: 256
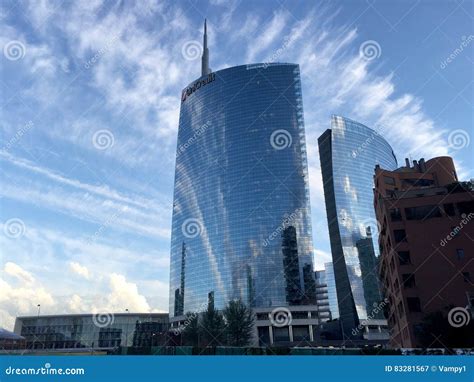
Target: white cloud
x: 139, y: 75
x: 320, y: 258
x: 18, y: 272
x: 79, y: 269
x: 21, y: 295
x: 124, y: 295
x: 116, y: 295
x: 271, y: 31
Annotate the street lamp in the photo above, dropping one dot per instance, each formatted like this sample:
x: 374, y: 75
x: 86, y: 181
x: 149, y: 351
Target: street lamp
x: 126, y: 328
x: 39, y: 309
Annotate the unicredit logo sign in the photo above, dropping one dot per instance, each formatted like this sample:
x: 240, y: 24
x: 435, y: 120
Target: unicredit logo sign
x: 196, y: 86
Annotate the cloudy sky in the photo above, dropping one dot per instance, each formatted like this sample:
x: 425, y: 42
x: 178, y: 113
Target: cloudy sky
x: 90, y: 96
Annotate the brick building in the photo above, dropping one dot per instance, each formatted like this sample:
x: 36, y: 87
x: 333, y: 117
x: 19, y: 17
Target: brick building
x: 426, y: 242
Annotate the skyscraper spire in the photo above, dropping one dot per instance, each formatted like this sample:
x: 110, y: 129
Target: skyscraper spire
x: 205, y: 53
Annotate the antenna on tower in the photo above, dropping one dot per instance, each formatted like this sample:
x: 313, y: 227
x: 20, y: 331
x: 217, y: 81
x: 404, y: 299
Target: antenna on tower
x: 205, y: 70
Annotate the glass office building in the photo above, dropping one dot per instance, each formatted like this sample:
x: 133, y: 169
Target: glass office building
x: 241, y: 216
x: 98, y: 332
x: 349, y: 152
x: 331, y: 285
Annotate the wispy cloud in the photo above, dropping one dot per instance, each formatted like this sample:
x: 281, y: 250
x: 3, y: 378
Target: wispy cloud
x: 119, y: 66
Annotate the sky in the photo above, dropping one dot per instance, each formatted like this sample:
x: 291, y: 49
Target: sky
x: 90, y: 97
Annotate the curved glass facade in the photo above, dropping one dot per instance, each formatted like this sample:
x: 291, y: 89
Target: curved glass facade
x: 241, y: 219
x: 349, y: 152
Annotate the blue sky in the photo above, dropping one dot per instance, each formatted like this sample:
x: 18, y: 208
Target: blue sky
x: 90, y: 96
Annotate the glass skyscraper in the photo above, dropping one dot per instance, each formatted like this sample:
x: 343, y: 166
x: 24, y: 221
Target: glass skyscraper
x: 349, y: 152
x: 241, y: 216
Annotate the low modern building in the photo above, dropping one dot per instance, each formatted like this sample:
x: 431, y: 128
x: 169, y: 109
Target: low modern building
x: 11, y: 341
x: 426, y: 244
x: 293, y: 326
x: 92, y: 332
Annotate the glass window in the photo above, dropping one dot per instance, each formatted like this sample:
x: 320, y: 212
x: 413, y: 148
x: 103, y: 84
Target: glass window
x: 467, y: 277
x: 415, y: 182
x: 281, y: 334
x: 400, y: 235
x: 404, y: 257
x: 422, y: 212
x: 408, y: 280
x: 414, y: 304
x: 449, y: 209
x: 301, y: 315
x: 301, y: 333
x: 389, y: 180
x: 395, y: 215
x: 263, y: 336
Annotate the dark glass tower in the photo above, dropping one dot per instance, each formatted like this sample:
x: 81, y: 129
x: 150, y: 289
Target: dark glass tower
x: 241, y: 216
x: 349, y: 152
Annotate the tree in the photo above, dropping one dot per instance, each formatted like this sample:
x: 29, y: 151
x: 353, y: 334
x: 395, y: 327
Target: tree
x: 239, y: 320
x: 212, y: 326
x: 436, y: 331
x: 191, y: 329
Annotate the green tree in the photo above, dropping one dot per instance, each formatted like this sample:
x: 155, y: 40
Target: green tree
x: 239, y: 321
x: 212, y: 326
x: 436, y: 331
x: 191, y: 329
